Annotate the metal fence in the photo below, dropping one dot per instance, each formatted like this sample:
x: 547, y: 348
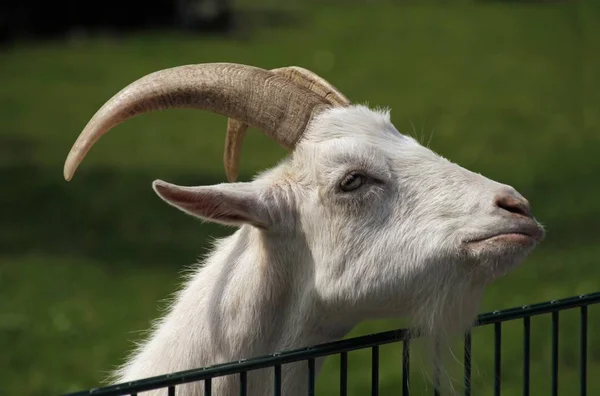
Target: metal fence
x: 374, y: 341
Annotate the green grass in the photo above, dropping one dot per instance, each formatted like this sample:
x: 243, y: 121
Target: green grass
x: 509, y: 90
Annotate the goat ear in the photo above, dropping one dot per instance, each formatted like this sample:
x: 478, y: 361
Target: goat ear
x: 229, y: 203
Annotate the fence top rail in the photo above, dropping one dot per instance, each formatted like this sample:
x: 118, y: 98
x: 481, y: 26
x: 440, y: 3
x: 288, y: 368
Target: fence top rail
x: 538, y: 309
x: 326, y: 349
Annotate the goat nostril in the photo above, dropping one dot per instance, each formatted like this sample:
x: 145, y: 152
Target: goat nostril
x: 513, y: 205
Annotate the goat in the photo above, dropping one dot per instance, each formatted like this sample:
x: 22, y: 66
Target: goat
x: 358, y: 222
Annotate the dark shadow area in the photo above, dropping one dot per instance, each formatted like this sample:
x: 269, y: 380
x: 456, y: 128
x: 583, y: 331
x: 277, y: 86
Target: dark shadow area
x: 37, y: 20
x: 103, y: 214
x: 43, y: 19
x: 15, y: 149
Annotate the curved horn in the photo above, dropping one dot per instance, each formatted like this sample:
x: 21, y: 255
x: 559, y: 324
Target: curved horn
x: 314, y: 82
x: 257, y: 97
x: 236, y: 129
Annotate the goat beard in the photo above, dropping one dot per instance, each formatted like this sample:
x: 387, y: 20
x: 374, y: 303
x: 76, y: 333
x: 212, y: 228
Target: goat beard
x: 446, y: 303
x: 440, y: 316
x: 450, y: 310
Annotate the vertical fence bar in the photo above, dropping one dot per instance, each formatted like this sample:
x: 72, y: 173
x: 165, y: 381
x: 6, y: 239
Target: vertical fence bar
x: 583, y: 351
x: 171, y: 391
x: 311, y: 376
x: 406, y: 367
x: 375, y: 371
x: 208, y: 387
x: 277, y: 379
x: 243, y: 383
x: 344, y: 374
x: 526, y: 354
x: 555, y: 353
x: 497, y: 357
x: 468, y: 364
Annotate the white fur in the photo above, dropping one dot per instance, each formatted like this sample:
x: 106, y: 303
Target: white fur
x: 327, y: 260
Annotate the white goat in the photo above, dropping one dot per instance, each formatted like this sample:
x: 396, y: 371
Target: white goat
x: 359, y: 222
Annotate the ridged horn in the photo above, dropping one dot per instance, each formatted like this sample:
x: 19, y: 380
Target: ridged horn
x: 236, y: 129
x: 258, y: 97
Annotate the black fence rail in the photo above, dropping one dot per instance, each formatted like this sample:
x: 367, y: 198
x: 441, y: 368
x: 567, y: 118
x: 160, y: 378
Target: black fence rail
x: 374, y: 341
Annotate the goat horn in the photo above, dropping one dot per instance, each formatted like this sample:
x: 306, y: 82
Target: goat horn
x: 257, y: 97
x: 236, y: 129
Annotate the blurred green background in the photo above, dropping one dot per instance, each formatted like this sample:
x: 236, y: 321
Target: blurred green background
x: 509, y: 89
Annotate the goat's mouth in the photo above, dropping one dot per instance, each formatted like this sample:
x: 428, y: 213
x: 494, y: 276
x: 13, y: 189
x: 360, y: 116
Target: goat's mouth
x: 524, y: 234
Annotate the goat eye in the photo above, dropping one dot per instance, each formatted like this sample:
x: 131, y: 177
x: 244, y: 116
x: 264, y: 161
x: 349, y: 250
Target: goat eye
x: 352, y: 181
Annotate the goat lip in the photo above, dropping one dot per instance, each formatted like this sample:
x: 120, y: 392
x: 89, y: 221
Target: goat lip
x: 505, y: 238
x: 527, y: 233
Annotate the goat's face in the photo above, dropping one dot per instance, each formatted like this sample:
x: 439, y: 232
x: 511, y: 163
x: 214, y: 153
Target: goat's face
x: 390, y: 226
x: 393, y: 225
